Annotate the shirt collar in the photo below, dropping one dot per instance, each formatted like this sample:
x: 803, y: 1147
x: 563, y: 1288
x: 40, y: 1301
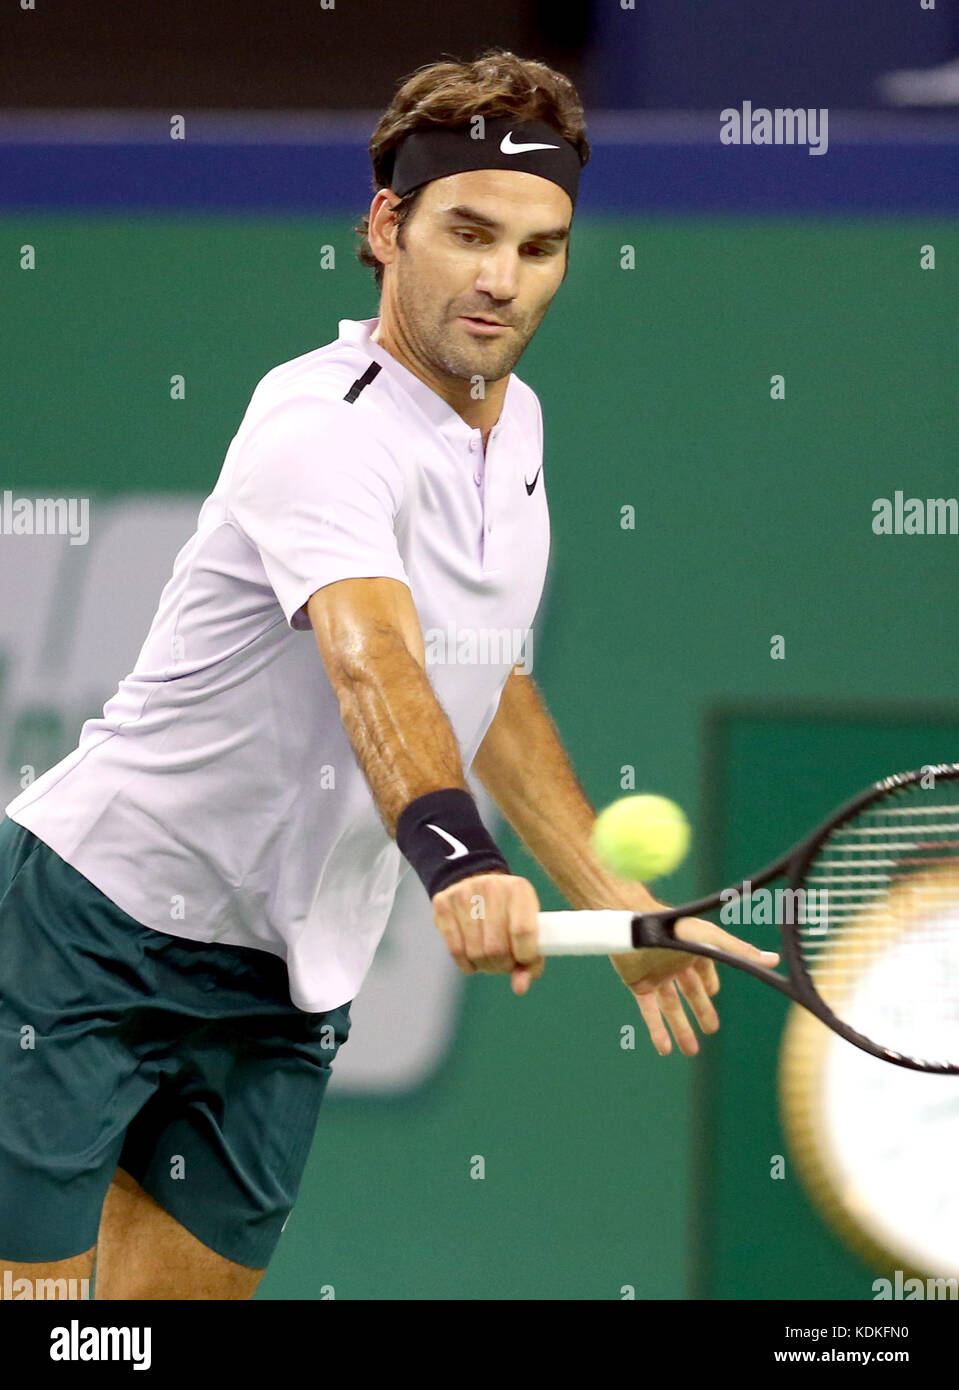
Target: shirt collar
x: 438, y: 411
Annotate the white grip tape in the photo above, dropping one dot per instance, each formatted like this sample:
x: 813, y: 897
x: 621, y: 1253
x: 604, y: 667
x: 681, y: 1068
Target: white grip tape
x: 606, y: 931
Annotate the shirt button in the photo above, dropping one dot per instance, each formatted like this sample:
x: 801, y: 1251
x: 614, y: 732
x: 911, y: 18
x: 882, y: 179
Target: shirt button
x: 477, y: 479
x: 474, y: 444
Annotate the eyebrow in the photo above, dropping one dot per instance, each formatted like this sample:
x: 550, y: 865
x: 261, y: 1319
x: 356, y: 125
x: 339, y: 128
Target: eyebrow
x: 465, y: 214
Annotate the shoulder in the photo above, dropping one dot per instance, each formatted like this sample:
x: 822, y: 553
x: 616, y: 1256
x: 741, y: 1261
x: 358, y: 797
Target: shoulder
x: 318, y: 388
x: 312, y: 401
x: 300, y: 435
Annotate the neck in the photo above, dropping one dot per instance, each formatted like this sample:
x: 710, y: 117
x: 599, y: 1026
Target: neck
x: 478, y: 414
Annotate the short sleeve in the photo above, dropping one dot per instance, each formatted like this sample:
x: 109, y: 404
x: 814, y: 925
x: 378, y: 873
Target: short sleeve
x: 316, y: 489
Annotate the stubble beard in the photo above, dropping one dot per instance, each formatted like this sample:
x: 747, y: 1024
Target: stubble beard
x: 490, y: 359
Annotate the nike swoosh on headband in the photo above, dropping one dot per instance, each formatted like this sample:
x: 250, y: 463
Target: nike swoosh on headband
x: 459, y: 849
x: 507, y: 146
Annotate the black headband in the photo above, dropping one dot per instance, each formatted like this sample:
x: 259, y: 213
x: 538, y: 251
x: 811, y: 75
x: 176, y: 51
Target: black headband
x: 433, y: 152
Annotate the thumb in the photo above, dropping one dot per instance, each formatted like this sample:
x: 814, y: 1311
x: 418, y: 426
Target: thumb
x: 521, y: 979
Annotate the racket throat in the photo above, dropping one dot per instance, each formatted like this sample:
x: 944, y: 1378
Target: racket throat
x: 650, y: 932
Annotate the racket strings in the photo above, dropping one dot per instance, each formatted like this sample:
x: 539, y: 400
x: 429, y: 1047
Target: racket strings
x: 881, y: 941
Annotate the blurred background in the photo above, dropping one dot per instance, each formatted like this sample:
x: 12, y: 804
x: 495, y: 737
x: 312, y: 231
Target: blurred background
x: 131, y: 259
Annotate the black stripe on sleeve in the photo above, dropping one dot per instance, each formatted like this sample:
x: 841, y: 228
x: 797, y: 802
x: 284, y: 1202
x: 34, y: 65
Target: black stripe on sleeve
x: 362, y: 381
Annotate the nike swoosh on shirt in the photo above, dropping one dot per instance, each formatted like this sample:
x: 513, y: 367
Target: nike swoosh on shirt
x: 531, y: 486
x: 507, y: 146
x: 459, y: 849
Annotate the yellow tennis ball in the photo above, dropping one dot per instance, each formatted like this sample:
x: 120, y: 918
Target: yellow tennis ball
x: 641, y: 837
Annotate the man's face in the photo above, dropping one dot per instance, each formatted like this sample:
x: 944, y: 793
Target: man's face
x: 490, y: 242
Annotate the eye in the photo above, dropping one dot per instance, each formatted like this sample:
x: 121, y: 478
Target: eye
x: 463, y: 231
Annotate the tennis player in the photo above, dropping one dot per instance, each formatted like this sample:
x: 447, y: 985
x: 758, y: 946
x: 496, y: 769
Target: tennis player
x: 190, y: 900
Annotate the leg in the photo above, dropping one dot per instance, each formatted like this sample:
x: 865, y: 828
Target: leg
x: 144, y: 1253
x: 211, y: 1165
x: 56, y: 1275
x: 67, y: 1085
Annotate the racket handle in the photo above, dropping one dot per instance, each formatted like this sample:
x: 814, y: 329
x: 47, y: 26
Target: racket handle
x: 602, y: 932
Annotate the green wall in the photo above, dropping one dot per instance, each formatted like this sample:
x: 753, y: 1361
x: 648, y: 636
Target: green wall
x: 771, y: 775
x: 753, y: 518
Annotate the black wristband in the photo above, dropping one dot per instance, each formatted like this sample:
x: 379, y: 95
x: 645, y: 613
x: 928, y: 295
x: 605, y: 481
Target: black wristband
x: 445, y: 840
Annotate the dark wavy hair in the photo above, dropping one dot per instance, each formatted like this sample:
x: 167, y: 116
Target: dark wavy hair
x: 497, y: 83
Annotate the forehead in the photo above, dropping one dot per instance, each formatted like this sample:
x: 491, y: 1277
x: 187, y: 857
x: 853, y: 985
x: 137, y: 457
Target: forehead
x: 502, y: 194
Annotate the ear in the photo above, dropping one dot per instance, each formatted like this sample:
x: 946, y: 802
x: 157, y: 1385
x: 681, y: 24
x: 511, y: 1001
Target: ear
x: 382, y: 225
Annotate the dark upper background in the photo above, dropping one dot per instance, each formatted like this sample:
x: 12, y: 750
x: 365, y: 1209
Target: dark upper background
x: 294, y: 55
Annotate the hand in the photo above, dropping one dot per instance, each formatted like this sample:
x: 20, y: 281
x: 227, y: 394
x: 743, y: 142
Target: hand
x: 656, y: 977
x: 490, y: 923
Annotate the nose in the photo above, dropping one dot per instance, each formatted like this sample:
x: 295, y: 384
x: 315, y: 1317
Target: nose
x: 498, y: 276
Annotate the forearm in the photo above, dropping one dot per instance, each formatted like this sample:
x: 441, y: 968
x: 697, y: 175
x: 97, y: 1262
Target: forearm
x: 399, y: 733
x: 525, y: 769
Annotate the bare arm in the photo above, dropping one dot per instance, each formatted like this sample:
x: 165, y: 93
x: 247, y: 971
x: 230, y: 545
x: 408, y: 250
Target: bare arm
x: 372, y: 647
x: 370, y: 639
x: 525, y: 769
x: 371, y: 642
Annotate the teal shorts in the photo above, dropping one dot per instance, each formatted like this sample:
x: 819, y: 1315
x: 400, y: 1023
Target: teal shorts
x: 184, y: 1063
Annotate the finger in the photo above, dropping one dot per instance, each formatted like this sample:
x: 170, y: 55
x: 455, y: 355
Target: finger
x: 697, y: 929
x: 671, y: 1007
x: 524, y: 923
x: 449, y: 929
x: 480, y: 912
x: 495, y: 910
x: 510, y: 925
x: 502, y: 963
x: 472, y: 933
x: 524, y: 975
x: 691, y: 984
x: 708, y: 974
x: 658, y: 1033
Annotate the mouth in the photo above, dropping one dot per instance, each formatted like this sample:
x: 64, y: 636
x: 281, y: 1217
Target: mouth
x: 487, y: 327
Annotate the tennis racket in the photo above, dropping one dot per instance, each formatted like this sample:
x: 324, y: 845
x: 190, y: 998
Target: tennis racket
x: 869, y: 922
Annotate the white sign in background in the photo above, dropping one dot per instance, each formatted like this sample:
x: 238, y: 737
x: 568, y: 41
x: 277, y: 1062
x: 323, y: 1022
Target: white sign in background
x: 72, y: 620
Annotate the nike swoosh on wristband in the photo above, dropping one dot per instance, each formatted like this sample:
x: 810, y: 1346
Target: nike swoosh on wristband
x: 532, y: 485
x: 459, y: 849
x: 507, y: 146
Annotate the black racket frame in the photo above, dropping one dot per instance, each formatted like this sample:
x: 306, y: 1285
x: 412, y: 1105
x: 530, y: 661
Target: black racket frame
x: 655, y: 929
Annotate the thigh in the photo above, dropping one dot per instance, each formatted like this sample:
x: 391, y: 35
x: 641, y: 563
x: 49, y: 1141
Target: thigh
x: 69, y: 1079
x: 182, y: 1063
x: 222, y: 1145
x: 58, y: 1279
x: 143, y: 1252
